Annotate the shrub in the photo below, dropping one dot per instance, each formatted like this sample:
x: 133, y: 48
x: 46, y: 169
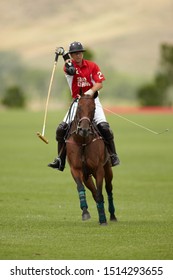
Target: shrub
x: 14, y: 97
x: 150, y: 95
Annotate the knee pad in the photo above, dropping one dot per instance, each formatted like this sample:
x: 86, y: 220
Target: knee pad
x: 61, y: 131
x: 105, y: 130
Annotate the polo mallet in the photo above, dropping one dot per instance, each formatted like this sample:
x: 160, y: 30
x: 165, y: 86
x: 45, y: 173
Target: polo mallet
x: 59, y: 51
x: 137, y: 124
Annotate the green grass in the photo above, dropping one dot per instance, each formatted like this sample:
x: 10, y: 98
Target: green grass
x: 40, y: 216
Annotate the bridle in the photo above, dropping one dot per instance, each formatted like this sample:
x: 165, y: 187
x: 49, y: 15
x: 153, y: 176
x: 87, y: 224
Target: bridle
x: 79, y: 128
x: 86, y: 130
x: 91, y: 131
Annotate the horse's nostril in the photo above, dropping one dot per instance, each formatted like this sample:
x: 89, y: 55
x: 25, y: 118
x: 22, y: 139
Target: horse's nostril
x: 83, y: 132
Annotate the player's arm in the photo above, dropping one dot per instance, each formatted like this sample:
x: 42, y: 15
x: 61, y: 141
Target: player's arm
x: 68, y: 67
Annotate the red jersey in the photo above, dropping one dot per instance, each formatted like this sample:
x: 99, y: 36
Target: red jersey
x: 86, y: 76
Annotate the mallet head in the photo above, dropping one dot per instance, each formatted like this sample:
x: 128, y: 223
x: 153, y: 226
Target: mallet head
x: 42, y: 138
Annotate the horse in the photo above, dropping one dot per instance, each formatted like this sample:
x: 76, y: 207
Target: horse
x: 88, y: 158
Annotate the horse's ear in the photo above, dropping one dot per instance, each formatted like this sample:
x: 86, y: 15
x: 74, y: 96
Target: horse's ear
x: 95, y: 94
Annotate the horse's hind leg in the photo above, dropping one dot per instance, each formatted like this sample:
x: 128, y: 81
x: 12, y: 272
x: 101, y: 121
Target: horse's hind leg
x: 108, y: 186
x: 99, y: 197
x: 111, y: 207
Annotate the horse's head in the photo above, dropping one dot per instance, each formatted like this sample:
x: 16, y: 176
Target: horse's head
x: 85, y: 115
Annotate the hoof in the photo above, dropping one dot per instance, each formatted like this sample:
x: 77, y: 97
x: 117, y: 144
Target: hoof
x: 113, y: 218
x: 85, y: 215
x: 104, y: 224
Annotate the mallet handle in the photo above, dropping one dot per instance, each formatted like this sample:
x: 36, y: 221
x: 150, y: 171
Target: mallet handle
x: 49, y: 91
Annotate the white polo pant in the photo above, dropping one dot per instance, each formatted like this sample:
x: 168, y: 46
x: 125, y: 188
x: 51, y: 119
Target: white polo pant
x: 99, y: 115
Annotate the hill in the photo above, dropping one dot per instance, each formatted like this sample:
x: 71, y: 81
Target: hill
x: 124, y: 34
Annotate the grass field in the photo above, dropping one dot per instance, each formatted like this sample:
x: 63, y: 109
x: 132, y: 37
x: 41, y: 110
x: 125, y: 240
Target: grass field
x: 40, y: 216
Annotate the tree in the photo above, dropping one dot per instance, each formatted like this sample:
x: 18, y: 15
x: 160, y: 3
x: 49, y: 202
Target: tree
x: 156, y: 92
x: 166, y: 62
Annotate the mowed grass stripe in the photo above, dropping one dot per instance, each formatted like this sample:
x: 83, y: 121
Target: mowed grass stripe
x: 40, y: 216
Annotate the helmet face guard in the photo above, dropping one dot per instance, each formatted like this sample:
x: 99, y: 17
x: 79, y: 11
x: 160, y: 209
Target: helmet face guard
x: 76, y: 47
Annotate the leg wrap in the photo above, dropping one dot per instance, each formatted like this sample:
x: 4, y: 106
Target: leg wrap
x: 111, y: 207
x: 81, y: 192
x: 82, y: 198
x: 101, y: 212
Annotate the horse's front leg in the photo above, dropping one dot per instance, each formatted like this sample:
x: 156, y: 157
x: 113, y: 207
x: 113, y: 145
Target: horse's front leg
x: 91, y: 186
x: 77, y: 175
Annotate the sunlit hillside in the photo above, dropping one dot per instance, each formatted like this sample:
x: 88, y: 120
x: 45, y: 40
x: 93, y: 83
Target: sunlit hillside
x: 125, y: 34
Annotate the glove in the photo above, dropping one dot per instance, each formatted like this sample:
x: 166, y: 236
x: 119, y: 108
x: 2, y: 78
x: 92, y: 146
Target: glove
x: 69, y: 68
x: 59, y: 51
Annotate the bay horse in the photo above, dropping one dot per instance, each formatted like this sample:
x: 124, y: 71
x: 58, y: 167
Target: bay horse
x: 88, y: 157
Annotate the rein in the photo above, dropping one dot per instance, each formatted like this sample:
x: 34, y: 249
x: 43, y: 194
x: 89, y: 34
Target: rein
x: 83, y: 144
x: 92, y: 136
x: 94, y: 132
